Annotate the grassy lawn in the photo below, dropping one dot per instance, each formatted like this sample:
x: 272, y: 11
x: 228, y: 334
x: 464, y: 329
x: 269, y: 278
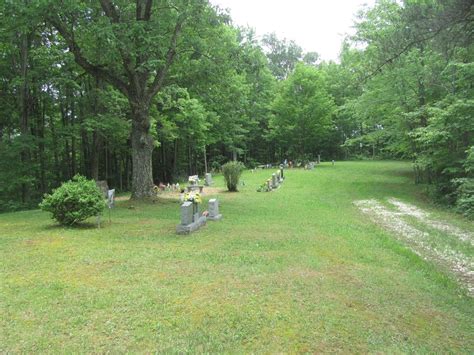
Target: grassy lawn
x: 300, y: 269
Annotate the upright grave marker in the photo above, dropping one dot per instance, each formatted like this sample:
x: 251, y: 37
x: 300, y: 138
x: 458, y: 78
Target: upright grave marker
x: 190, y: 219
x: 208, y: 179
x: 274, y: 181
x: 213, y: 208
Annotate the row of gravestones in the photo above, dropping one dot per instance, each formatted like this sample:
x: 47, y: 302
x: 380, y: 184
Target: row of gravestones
x: 276, y: 180
x: 192, y: 220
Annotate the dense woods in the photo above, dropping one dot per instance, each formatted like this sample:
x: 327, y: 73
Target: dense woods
x: 142, y: 92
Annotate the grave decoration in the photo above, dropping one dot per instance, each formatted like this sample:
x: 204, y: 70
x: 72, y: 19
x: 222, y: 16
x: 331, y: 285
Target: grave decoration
x: 194, y: 184
x: 194, y: 197
x: 273, y: 183
x: 193, y: 180
x: 264, y: 187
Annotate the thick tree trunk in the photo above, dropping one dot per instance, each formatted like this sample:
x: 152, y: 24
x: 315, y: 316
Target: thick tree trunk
x: 175, y: 159
x: 142, y: 149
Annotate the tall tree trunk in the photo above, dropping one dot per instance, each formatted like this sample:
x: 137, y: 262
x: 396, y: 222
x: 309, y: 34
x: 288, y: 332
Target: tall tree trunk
x: 421, y: 88
x: 24, y: 98
x: 190, y: 167
x: 205, y: 159
x: 175, y: 159
x: 73, y: 136
x: 164, y: 174
x: 142, y: 149
x: 121, y: 174
x: 41, y: 145
x: 95, y: 155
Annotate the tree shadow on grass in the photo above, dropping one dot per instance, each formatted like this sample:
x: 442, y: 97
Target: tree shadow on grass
x: 404, y: 172
x: 79, y: 226
x: 384, y: 190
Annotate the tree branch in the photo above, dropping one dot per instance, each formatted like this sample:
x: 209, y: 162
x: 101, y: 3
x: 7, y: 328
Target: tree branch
x: 93, y: 69
x: 144, y: 12
x: 110, y: 10
x: 454, y: 19
x: 170, y: 55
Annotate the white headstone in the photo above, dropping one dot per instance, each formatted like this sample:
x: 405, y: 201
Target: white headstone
x: 111, y: 198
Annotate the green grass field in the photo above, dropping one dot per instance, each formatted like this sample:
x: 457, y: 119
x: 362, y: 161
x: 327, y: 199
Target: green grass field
x: 300, y: 269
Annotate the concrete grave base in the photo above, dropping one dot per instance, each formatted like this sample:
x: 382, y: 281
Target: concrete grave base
x: 186, y: 229
x: 215, y: 218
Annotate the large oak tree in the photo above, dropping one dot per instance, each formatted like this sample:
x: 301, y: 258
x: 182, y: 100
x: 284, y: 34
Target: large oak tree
x: 132, y: 46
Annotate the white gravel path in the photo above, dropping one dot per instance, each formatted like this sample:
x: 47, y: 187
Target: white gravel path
x: 421, y: 242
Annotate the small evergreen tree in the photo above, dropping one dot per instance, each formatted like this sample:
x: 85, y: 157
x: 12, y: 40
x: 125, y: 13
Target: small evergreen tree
x: 232, y: 171
x: 74, y: 201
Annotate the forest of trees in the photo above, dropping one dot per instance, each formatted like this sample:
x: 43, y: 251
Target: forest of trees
x: 141, y: 92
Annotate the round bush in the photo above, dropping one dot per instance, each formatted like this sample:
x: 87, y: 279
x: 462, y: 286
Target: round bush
x: 74, y: 201
x: 232, y: 171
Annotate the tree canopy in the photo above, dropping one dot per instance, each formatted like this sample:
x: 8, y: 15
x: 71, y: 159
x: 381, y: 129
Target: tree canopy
x: 142, y: 92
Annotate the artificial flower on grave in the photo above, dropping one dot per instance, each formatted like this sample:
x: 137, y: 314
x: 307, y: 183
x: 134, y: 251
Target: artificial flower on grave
x: 193, y: 179
x: 193, y: 197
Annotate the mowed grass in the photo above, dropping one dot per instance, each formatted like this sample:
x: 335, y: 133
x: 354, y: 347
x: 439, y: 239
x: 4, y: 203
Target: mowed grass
x: 300, y: 269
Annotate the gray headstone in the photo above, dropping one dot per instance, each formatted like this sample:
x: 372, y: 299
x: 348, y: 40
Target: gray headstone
x: 190, y: 219
x: 103, y: 187
x: 274, y: 181
x: 208, y: 179
x: 213, y: 208
x: 186, y: 213
x: 280, y: 178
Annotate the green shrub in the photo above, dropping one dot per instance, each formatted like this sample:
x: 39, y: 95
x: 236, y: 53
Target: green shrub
x: 232, y: 171
x: 74, y: 201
